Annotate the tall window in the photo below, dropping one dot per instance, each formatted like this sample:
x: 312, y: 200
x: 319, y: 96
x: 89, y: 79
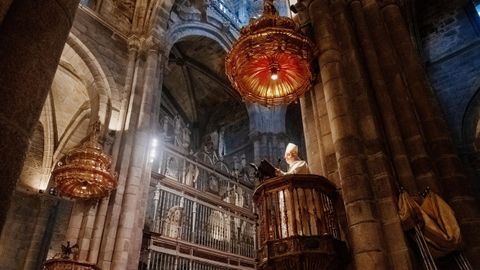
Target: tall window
x: 476, y: 3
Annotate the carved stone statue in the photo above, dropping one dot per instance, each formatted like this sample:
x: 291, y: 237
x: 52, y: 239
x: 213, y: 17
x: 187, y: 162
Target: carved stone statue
x: 213, y: 184
x: 165, y: 130
x: 178, y: 131
x: 186, y: 137
x: 173, y: 222
x: 191, y: 174
x: 172, y: 168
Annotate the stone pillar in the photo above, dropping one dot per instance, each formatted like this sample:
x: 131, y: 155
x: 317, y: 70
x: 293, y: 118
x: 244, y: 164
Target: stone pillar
x: 358, y: 198
x: 381, y: 175
x: 140, y: 128
x: 384, y: 102
x: 313, y: 143
x: 75, y: 223
x: 243, y: 11
x: 457, y: 186
x: 86, y: 232
x: 120, y: 156
x: 267, y: 125
x: 420, y: 161
x: 33, y: 259
x: 32, y: 36
x: 98, y: 230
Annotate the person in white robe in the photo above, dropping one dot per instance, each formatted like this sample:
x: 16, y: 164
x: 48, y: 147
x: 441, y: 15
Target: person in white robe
x: 295, y: 164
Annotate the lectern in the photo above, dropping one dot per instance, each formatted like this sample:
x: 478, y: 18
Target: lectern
x: 297, y: 224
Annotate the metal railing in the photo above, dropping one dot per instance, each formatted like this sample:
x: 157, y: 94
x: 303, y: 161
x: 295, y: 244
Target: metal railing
x: 196, y: 202
x: 180, y: 217
x: 156, y: 260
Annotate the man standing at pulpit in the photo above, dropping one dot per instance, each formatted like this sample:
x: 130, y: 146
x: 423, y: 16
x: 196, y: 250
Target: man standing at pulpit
x: 295, y: 164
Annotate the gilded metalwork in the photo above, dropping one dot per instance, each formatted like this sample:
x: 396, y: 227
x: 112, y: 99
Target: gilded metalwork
x: 270, y: 64
x: 85, y: 172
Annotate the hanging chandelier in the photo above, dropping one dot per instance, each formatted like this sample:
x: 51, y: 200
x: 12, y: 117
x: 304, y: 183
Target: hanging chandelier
x: 270, y: 64
x: 85, y: 172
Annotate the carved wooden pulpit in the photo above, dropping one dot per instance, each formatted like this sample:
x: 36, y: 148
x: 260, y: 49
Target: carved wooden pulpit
x: 297, y: 224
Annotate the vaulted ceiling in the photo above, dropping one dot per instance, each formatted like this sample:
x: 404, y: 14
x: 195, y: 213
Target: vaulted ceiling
x: 195, y: 79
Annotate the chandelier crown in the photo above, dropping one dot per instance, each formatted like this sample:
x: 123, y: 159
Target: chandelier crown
x: 270, y: 63
x: 85, y: 172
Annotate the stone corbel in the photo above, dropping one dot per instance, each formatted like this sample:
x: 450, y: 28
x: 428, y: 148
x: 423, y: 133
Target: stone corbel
x: 145, y: 45
x: 134, y: 43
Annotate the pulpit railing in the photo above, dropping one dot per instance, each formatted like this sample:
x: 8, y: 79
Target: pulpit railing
x: 297, y: 226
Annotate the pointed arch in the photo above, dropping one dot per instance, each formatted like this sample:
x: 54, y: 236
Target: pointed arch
x: 103, y: 82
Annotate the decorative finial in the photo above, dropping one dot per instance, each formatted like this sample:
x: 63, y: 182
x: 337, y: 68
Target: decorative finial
x: 269, y: 8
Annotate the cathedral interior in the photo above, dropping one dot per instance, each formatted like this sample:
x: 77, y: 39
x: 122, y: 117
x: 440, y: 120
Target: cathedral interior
x: 389, y: 127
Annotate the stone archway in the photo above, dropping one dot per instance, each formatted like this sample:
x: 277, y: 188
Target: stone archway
x: 104, y: 85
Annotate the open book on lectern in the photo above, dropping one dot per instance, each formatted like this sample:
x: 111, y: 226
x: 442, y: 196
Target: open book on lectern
x: 264, y: 170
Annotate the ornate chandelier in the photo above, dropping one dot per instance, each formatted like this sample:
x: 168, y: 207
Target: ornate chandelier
x: 85, y: 173
x: 270, y: 64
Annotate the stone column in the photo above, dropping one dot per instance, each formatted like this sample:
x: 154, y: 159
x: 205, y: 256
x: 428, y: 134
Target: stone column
x: 421, y: 163
x: 32, y: 36
x: 267, y: 125
x: 33, y: 257
x: 381, y: 175
x: 98, y: 230
x: 156, y: 59
x: 75, y: 223
x: 358, y: 198
x: 243, y: 11
x: 86, y: 232
x: 384, y: 102
x: 313, y: 143
x: 120, y: 156
x: 140, y: 128
x: 457, y: 186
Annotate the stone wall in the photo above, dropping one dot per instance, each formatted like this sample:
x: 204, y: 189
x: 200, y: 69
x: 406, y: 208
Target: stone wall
x: 450, y: 41
x: 107, y: 45
x: 34, y: 225
x: 450, y: 46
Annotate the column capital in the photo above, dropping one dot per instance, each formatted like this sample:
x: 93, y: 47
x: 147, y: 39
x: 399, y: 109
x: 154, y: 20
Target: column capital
x: 134, y: 43
x: 145, y: 44
x: 153, y: 44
